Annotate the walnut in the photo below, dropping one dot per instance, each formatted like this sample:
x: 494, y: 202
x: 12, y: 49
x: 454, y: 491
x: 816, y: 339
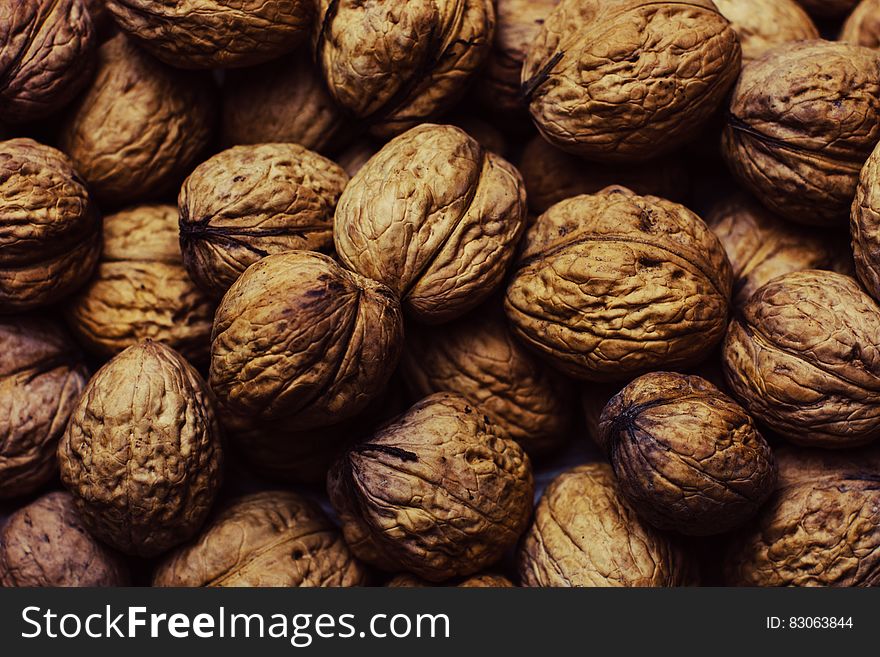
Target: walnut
x: 248, y: 202
x: 47, y: 50
x: 478, y: 357
x: 803, y: 358
x: 434, y: 216
x: 46, y: 544
x: 142, y: 290
x: 862, y: 28
x: 396, y: 64
x: 628, y: 80
x: 484, y: 581
x: 142, y: 453
x: 50, y: 230
x: 584, y: 534
x: 763, y: 24
x: 865, y: 225
x: 828, y: 8
x: 686, y: 456
x: 436, y: 492
x: 612, y: 285
x: 265, y: 539
x: 802, y: 121
x: 139, y: 127
x: 299, y: 339
x: 215, y: 33
x: 41, y: 378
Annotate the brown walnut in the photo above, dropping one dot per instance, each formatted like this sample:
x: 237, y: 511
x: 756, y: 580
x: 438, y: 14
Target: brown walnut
x: 865, y: 225
x: 862, y: 28
x: 436, y: 492
x: 142, y: 453
x: 484, y: 581
x: 828, y: 8
x: 764, y: 24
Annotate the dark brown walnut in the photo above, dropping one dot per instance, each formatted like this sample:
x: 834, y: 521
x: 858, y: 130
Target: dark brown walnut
x: 50, y: 229
x: 396, y: 64
x: 438, y: 492
x: 45, y: 544
x: 803, y: 358
x: 265, y: 539
x: 485, y: 581
x: 300, y: 339
x: 248, y: 202
x: 47, y: 50
x: 583, y: 534
x: 686, y: 456
x: 41, y: 378
x: 828, y: 8
x: 613, y: 285
x: 763, y: 24
x: 215, y: 33
x: 435, y: 217
x: 141, y: 453
x: 628, y: 80
x: 139, y: 127
x: 478, y: 357
x: 102, y: 20
x: 142, y: 290
x: 803, y: 119
x: 862, y: 28
x: 865, y: 225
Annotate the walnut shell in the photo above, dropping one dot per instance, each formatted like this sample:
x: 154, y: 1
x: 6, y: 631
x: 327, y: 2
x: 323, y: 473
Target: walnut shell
x: 139, y: 127
x: 862, y: 28
x: 298, y: 338
x: 397, y: 64
x: 265, y: 539
x: 617, y: 81
x: 802, y: 121
x: 142, y: 453
x: 47, y: 53
x: 46, y: 544
x: 215, y: 33
x: 613, y: 285
x: 763, y: 24
x: 434, y: 216
x: 484, y: 581
x: 436, y: 492
x: 41, y: 378
x: 803, y: 358
x: 584, y: 534
x: 686, y: 456
x: 50, y: 230
x: 828, y: 8
x: 865, y: 225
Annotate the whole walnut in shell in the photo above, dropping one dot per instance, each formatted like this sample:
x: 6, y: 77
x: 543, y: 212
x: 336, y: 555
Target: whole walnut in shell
x: 396, y: 64
x: 141, y: 453
x: 764, y: 24
x: 435, y: 217
x: 485, y: 581
x: 862, y: 28
x: 139, y: 127
x: 804, y: 359
x: 686, y: 456
x: 248, y: 202
x: 436, y: 492
x: 41, y: 378
x: 802, y: 121
x: 865, y: 225
x: 300, y: 339
x: 583, y: 534
x: 215, y: 33
x: 47, y: 50
x: 265, y: 539
x: 50, y: 230
x: 45, y: 544
x: 828, y: 8
x: 612, y: 285
x: 628, y: 80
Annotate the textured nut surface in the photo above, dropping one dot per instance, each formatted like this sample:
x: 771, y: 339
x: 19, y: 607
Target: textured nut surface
x: 802, y: 121
x: 803, y: 358
x: 397, y: 64
x: 584, y: 534
x: 485, y: 581
x: 41, y: 378
x: 248, y: 202
x: 141, y: 453
x: 628, y: 80
x: 865, y: 225
x: 46, y: 544
x: 139, y: 126
x: 862, y: 28
x: 299, y: 338
x: 434, y: 216
x: 50, y: 230
x: 214, y: 33
x: 686, y: 456
x: 613, y: 284
x: 828, y: 8
x: 265, y: 539
x: 437, y: 492
x: 763, y: 24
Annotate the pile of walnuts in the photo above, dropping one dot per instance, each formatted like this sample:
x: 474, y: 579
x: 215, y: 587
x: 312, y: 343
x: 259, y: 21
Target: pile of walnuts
x: 478, y: 293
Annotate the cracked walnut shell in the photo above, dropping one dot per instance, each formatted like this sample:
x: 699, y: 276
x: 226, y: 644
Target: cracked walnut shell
x: 763, y: 24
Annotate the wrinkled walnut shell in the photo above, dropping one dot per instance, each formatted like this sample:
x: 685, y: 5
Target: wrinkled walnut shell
x: 763, y: 24
x: 865, y: 225
x: 862, y: 28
